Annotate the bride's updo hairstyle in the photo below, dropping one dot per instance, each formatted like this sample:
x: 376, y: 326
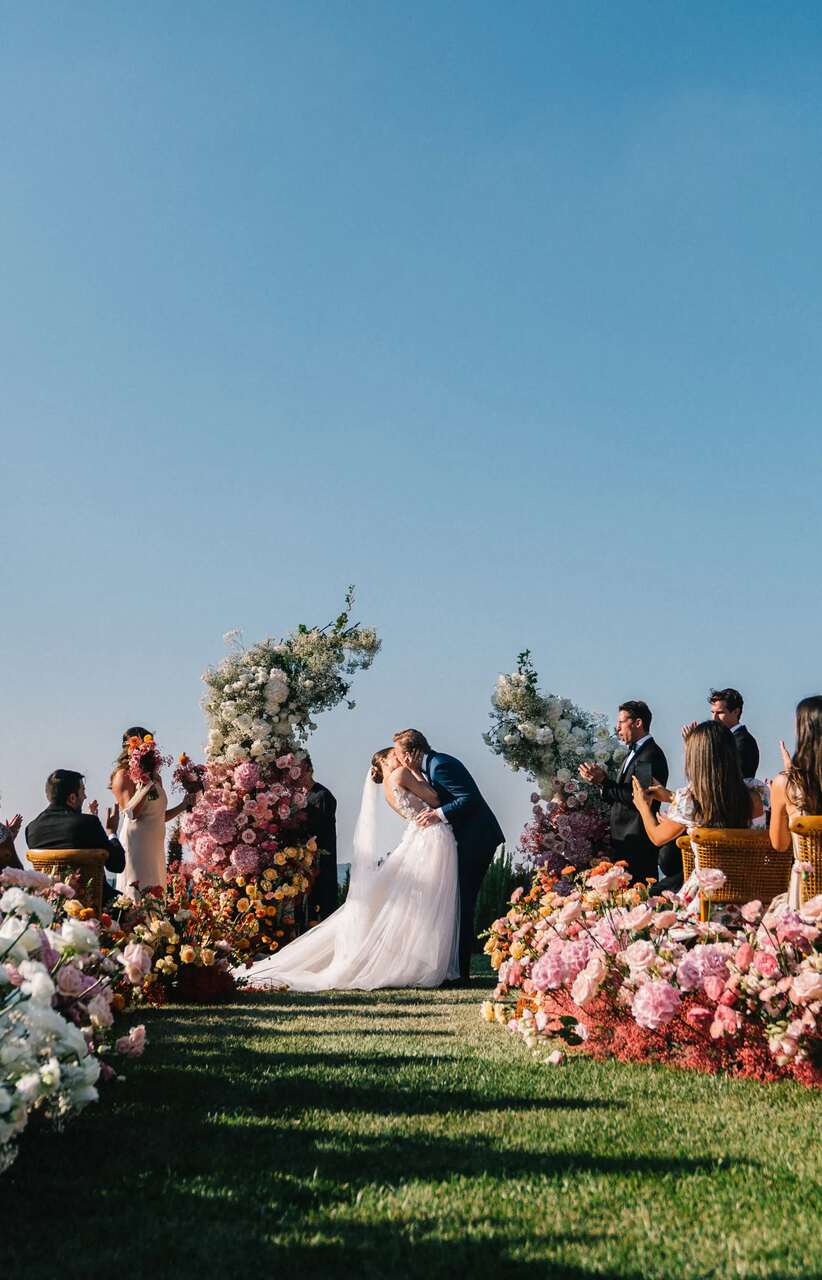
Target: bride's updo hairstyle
x: 377, y: 761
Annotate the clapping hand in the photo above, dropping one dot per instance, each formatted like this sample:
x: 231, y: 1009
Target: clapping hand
x: 592, y: 773
x: 93, y: 807
x: 687, y: 729
x: 787, y: 759
x: 112, y: 819
x: 641, y: 800
x: 656, y: 792
x: 14, y: 825
x: 427, y: 818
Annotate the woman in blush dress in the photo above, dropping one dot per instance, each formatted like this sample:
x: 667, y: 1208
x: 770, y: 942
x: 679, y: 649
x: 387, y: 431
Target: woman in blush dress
x: 143, y: 831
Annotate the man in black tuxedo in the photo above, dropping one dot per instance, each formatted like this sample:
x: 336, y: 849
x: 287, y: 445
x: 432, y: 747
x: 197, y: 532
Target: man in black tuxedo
x: 321, y: 822
x: 476, y: 830
x: 63, y: 825
x: 726, y: 706
x: 645, y: 759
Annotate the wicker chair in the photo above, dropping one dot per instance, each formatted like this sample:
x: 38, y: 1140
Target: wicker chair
x: 753, y: 869
x: 687, y: 850
x: 84, y: 864
x: 807, y: 832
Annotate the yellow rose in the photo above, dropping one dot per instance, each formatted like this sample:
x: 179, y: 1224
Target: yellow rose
x: 207, y: 955
x: 279, y: 894
x: 73, y: 907
x: 240, y: 880
x: 279, y: 858
x: 500, y: 1014
x: 252, y: 890
x: 269, y: 873
x: 487, y: 1011
x: 517, y: 950
x: 187, y: 954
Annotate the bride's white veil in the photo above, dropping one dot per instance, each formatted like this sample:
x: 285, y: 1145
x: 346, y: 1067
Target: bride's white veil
x: 373, y: 839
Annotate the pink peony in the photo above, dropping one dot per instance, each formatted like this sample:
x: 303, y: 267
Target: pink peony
x: 575, y: 956
x: 703, y: 960
x: 726, y: 1022
x: 711, y: 879
x: 587, y: 983
x: 713, y: 986
x: 655, y: 1004
x: 806, y: 986
x: 639, y: 956
x: 547, y: 973
x: 248, y: 836
x: 99, y: 1011
x: 205, y: 847
x: 751, y: 911
x: 221, y: 825
x: 743, y: 957
x: 20, y: 879
x: 245, y: 861
x: 133, y: 1044
x: 639, y: 918
x: 71, y: 981
x: 765, y: 962
x: 138, y: 957
x: 246, y: 776
x: 610, y: 881
x: 664, y: 920
x: 699, y: 1018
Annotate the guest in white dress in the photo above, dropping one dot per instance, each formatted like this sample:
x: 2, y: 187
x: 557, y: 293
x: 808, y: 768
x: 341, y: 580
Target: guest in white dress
x: 143, y: 831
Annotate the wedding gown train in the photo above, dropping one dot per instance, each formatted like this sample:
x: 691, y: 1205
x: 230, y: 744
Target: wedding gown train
x: 399, y: 926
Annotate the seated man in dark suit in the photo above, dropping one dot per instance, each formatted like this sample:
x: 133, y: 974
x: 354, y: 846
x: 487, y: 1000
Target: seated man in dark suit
x: 322, y: 824
x: 645, y: 759
x: 63, y: 825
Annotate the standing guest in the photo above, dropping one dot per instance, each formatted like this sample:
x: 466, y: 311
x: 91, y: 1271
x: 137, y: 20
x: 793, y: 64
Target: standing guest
x: 715, y: 794
x: 646, y: 760
x: 726, y: 707
x: 145, y: 814
x: 322, y: 824
x: 8, y: 835
x: 63, y: 825
x: 798, y: 789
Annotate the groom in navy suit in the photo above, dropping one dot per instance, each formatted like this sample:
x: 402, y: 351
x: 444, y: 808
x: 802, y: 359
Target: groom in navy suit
x: 476, y: 830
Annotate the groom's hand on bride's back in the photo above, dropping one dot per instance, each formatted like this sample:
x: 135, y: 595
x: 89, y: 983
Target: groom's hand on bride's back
x: 428, y: 818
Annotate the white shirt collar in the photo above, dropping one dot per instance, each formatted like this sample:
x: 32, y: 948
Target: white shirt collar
x: 736, y: 727
x: 424, y: 764
x: 640, y: 743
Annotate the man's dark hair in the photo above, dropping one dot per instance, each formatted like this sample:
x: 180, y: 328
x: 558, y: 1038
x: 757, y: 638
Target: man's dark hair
x: 61, y: 784
x: 731, y: 697
x: 638, y: 710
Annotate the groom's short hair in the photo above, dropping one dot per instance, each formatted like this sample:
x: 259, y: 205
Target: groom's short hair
x: 412, y: 740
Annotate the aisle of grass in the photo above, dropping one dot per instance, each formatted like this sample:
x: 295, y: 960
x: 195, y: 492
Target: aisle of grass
x: 395, y: 1135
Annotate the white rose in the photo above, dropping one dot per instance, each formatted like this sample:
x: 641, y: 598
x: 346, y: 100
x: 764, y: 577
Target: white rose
x: 563, y: 775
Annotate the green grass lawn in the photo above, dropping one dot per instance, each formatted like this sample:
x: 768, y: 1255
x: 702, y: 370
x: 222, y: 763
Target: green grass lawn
x: 395, y: 1135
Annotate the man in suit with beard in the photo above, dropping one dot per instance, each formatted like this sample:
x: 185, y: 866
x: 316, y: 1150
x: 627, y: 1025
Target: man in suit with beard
x: 645, y: 759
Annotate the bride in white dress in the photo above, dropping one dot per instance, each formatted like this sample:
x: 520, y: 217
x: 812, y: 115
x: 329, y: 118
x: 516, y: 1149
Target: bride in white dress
x: 399, y: 925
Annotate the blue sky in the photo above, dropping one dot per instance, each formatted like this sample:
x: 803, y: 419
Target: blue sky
x: 509, y: 314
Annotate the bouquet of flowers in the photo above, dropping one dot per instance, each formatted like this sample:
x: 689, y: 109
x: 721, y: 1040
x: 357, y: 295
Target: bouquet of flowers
x: 144, y: 759
x: 260, y: 702
x: 57, y: 1005
x: 625, y: 973
x: 188, y: 776
x: 546, y: 736
x: 572, y: 831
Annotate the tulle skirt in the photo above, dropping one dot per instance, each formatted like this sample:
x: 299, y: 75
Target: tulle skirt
x: 398, y: 928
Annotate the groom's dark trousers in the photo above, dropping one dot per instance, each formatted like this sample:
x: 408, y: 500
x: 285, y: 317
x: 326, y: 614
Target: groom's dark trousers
x: 476, y: 831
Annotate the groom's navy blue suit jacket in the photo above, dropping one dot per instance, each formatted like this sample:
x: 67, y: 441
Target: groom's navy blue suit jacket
x: 475, y: 828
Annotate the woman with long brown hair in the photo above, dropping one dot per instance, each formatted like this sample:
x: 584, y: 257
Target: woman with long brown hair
x: 145, y: 813
x: 798, y: 789
x: 715, y: 794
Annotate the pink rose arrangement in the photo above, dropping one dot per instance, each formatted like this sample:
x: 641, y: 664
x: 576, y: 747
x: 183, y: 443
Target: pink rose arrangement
x: 620, y: 971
